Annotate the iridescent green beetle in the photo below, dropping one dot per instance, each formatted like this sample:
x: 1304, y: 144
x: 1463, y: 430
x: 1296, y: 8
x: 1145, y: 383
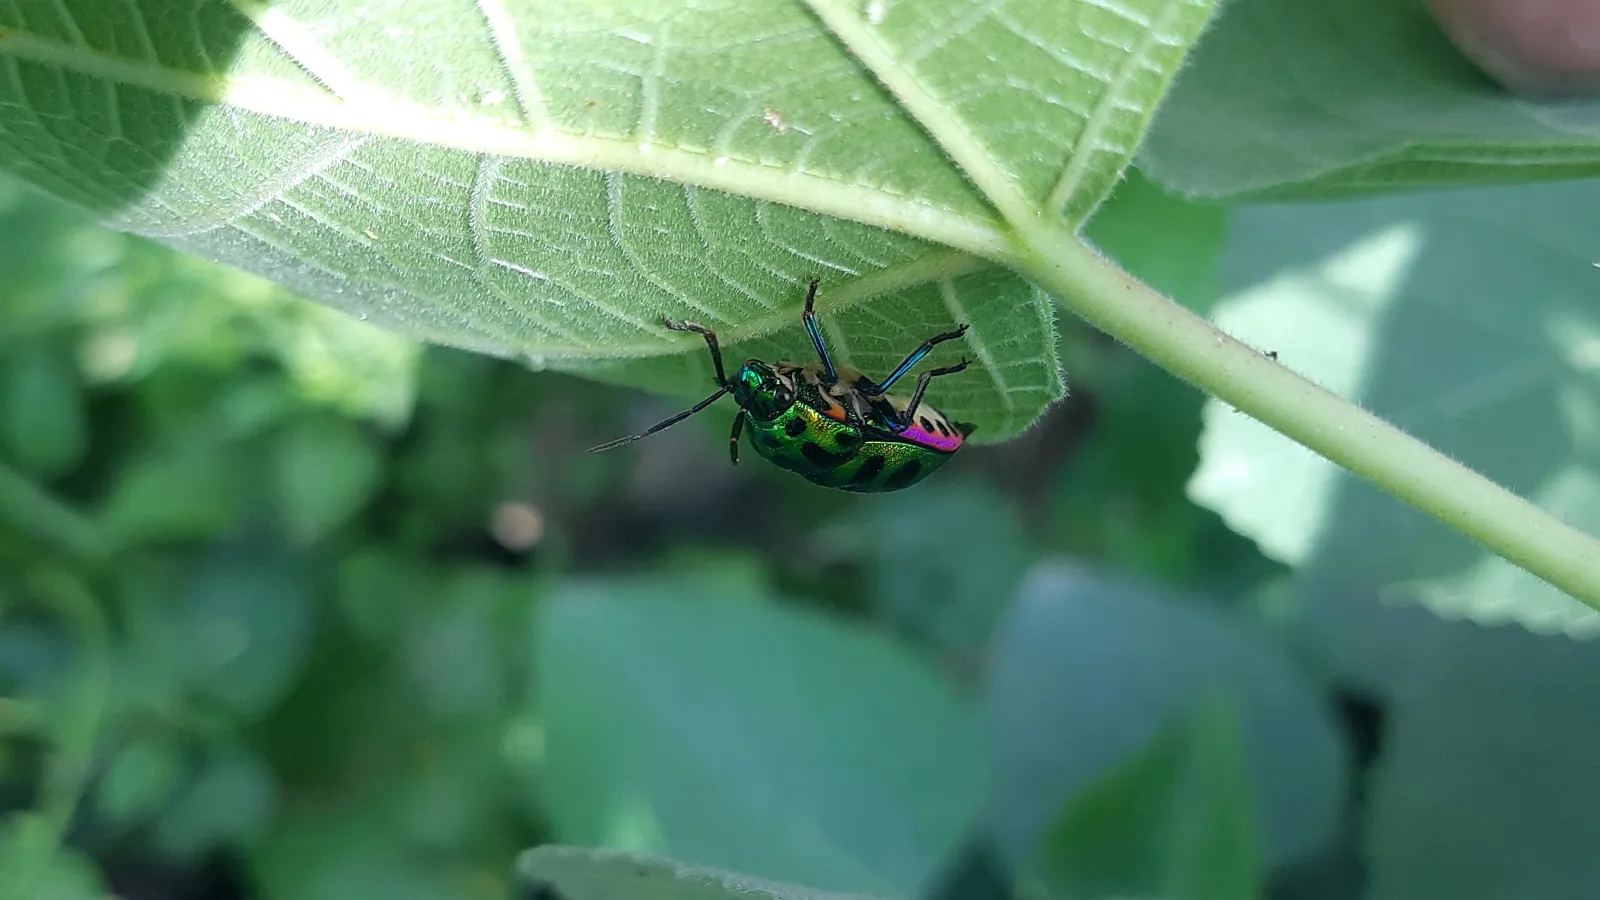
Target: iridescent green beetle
x: 833, y: 426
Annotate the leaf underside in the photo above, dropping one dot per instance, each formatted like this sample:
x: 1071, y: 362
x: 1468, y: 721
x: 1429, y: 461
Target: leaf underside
x: 548, y: 181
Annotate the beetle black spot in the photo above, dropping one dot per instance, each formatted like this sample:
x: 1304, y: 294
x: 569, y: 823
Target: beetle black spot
x: 943, y: 428
x: 868, y: 471
x: 796, y: 427
x: 926, y: 424
x: 904, y: 475
x: 848, y: 439
x: 816, y: 455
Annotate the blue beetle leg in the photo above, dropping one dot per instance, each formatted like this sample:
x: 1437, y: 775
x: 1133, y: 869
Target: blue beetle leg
x: 809, y: 318
x: 873, y: 390
x: 733, y: 439
x: 910, y: 415
x: 711, y: 342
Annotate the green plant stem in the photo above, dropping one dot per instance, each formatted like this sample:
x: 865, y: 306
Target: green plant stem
x: 33, y: 512
x: 19, y: 719
x: 1194, y: 350
x: 77, y: 728
x: 1046, y: 249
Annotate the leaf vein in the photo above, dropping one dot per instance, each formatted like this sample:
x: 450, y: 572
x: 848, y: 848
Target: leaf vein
x: 974, y: 338
x: 691, y: 202
x: 1105, y: 106
x: 503, y: 34
x: 753, y: 178
x: 484, y: 175
x: 299, y: 47
x: 74, y: 33
x: 943, y: 34
x: 618, y: 230
x: 1021, y: 32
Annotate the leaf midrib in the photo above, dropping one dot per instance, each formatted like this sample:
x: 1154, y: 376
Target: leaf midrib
x: 383, y: 115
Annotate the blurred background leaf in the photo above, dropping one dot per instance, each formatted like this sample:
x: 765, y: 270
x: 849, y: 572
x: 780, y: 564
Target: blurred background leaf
x: 42, y: 426
x: 1362, y: 97
x: 1174, y: 820
x: 229, y: 801
x: 1466, y: 318
x: 1086, y: 672
x: 1506, y: 718
x: 579, y: 874
x: 722, y: 730
x: 139, y: 779
x: 327, y: 470
x: 37, y: 868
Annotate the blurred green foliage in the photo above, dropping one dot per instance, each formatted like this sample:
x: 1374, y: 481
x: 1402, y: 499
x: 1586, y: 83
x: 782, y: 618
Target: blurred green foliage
x: 291, y: 607
x: 292, y: 599
x: 294, y: 608
x: 1173, y: 820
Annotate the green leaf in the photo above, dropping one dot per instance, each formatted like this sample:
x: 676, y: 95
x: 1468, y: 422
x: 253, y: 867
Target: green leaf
x: 1491, y: 361
x: 140, y: 778
x: 36, y: 867
x: 379, y: 590
x: 583, y: 171
x: 327, y: 470
x: 1342, y: 97
x: 25, y: 509
x: 54, y: 257
x: 1484, y: 788
x: 452, y: 802
x: 574, y: 873
x: 351, y: 850
x: 1173, y: 820
x: 175, y: 493
x: 1063, y: 115
x: 44, y: 427
x: 229, y: 802
x: 151, y: 656
x: 729, y: 732
x: 1086, y: 670
x: 245, y: 627
x: 454, y: 653
x: 951, y: 600
x: 359, y: 370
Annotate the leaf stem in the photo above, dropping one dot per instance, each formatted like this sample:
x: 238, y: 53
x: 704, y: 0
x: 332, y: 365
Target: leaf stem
x: 32, y: 511
x: 1192, y: 349
x: 74, y: 728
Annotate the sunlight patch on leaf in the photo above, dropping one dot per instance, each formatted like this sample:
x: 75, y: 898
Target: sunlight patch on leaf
x: 1402, y: 305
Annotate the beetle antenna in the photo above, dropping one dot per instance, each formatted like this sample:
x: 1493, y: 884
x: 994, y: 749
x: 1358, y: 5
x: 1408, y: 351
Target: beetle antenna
x: 663, y: 425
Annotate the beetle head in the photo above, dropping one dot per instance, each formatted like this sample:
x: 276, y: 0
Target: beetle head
x: 761, y: 391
